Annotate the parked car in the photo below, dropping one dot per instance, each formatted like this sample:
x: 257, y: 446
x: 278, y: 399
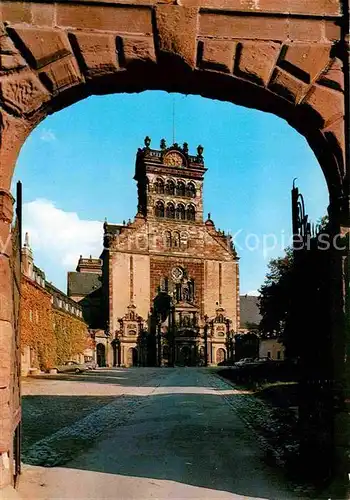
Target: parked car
x: 263, y: 360
x: 91, y: 365
x: 71, y: 366
x: 244, y: 361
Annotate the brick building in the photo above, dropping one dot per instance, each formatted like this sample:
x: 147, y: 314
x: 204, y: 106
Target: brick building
x: 52, y: 325
x: 169, y: 249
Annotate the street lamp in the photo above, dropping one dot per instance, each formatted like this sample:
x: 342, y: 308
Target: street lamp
x: 107, y: 335
x: 230, y: 340
x: 206, y: 340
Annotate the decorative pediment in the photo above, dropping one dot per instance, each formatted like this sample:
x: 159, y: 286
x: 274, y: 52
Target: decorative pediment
x: 220, y: 315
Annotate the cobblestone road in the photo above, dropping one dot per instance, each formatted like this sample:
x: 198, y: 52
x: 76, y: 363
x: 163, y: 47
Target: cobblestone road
x: 141, y: 434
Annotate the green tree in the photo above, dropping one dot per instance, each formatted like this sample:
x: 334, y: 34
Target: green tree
x: 275, y: 296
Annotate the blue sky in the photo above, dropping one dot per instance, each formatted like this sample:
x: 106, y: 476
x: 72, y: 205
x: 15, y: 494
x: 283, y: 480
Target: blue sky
x: 77, y: 168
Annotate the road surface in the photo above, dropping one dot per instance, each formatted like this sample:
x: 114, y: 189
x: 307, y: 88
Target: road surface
x: 162, y: 434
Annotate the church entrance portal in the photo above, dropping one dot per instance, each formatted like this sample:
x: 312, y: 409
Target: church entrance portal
x: 132, y: 359
x: 101, y: 355
x: 186, y: 356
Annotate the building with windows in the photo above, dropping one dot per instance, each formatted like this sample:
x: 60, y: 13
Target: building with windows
x: 52, y: 325
x: 167, y: 251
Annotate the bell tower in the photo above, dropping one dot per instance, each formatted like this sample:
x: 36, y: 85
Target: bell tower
x: 170, y: 182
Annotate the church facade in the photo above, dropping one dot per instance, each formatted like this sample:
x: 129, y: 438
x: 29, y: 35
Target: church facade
x: 170, y: 279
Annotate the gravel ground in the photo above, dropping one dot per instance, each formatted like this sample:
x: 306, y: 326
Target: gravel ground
x: 142, y: 434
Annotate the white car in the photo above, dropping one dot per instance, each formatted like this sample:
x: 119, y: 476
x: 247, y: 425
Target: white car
x: 71, y: 366
x: 244, y: 361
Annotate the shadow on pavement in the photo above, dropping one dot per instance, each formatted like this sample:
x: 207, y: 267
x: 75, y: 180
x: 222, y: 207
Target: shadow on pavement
x: 193, y: 439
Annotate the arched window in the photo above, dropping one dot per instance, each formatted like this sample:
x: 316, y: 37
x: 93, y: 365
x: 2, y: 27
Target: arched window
x: 180, y: 212
x: 181, y: 189
x: 159, y: 186
x: 159, y: 209
x: 176, y: 240
x: 191, y: 212
x: 167, y: 239
x: 170, y: 211
x: 170, y: 187
x: 184, y: 240
x: 191, y: 190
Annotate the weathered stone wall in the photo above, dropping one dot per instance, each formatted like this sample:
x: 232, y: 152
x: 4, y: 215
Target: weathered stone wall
x: 287, y: 57
x: 119, y: 286
x: 161, y: 267
x: 141, y: 284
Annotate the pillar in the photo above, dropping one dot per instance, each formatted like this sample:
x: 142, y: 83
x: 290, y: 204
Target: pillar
x: 339, y: 215
x: 6, y: 341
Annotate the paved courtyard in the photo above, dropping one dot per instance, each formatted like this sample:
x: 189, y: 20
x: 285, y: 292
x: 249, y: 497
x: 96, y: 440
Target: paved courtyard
x: 140, y: 433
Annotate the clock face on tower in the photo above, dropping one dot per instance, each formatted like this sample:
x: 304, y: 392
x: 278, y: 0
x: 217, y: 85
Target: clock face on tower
x: 173, y: 159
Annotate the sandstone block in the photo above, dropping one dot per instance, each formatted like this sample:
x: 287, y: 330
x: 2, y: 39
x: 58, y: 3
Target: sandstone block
x: 43, y: 14
x: 6, y: 206
x: 137, y: 49
x: 217, y: 55
x: 16, y: 12
x: 44, y: 45
x: 332, y: 31
x: 335, y: 134
x: 6, y: 306
x: 176, y: 32
x: 10, y: 58
x: 62, y: 74
x: 333, y: 77
x: 23, y: 93
x: 305, y: 61
x: 306, y: 30
x: 98, y: 52
x: 6, y: 334
x: 328, y: 103
x: 287, y: 86
x: 256, y: 60
x: 106, y: 18
x: 231, y: 26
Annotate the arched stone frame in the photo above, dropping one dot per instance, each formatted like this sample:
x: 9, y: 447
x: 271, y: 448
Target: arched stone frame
x: 170, y: 187
x: 180, y: 188
x: 101, y: 354
x: 131, y: 356
x: 168, y: 239
x: 190, y: 212
x: 159, y: 209
x: 170, y: 210
x: 184, y: 240
x: 191, y: 189
x: 176, y: 240
x: 180, y: 211
x: 220, y: 354
x: 286, y: 58
x: 159, y: 185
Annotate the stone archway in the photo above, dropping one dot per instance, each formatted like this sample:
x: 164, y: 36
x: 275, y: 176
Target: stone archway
x: 286, y: 57
x: 132, y: 357
x: 220, y: 355
x: 101, y: 354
